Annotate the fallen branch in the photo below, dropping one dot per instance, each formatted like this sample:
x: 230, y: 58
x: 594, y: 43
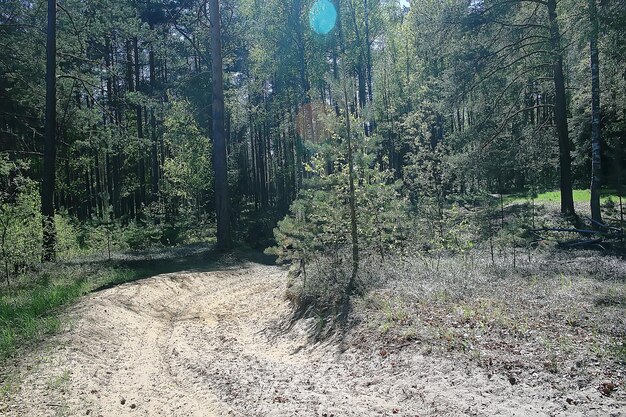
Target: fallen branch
x: 557, y: 229
x: 605, y: 226
x: 577, y: 243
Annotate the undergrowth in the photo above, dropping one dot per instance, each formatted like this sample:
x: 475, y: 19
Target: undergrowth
x: 31, y: 307
x: 560, y: 313
x: 580, y: 196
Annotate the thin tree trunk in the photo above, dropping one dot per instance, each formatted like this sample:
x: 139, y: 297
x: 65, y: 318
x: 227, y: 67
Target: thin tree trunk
x: 141, y: 164
x: 353, y: 219
x: 255, y: 163
x: 368, y: 52
x: 87, y: 202
x: 49, y: 157
x: 69, y: 197
x: 560, y: 113
x: 222, y: 203
x: 596, y: 150
x: 109, y: 176
x: 154, y: 157
x: 99, y: 188
x: 111, y: 157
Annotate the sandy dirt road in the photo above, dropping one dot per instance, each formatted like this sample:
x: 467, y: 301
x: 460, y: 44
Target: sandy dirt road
x: 214, y: 344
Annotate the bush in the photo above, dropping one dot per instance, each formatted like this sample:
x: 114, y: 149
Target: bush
x: 20, y: 220
x: 315, y: 236
x: 72, y: 238
x: 141, y: 237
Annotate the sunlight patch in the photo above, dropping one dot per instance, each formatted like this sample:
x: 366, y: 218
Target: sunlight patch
x: 322, y: 16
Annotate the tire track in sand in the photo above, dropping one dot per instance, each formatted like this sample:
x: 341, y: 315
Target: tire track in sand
x: 208, y: 344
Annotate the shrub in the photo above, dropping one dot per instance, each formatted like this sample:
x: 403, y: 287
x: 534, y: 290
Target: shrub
x: 20, y: 219
x: 315, y: 235
x: 140, y: 237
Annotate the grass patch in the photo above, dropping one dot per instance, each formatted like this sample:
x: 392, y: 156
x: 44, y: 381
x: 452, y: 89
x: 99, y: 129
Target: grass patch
x: 580, y: 196
x: 30, y: 308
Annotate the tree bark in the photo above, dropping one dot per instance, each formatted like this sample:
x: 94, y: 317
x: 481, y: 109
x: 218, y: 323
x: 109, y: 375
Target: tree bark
x: 222, y: 202
x: 560, y: 113
x: 99, y: 188
x: 368, y: 52
x: 154, y: 157
x: 596, y: 148
x: 49, y: 157
x: 353, y: 220
x: 141, y: 163
x: 111, y: 157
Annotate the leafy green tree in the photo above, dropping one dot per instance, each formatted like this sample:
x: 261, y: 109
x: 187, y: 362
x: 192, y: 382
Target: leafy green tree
x: 188, y: 170
x: 20, y: 218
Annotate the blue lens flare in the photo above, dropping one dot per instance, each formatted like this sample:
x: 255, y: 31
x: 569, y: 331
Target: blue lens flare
x: 322, y: 16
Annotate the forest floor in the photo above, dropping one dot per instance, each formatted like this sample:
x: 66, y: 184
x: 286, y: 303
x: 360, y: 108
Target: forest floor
x: 218, y: 341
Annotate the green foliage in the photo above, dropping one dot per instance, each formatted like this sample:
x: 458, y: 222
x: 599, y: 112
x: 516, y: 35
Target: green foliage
x: 25, y: 315
x: 185, y: 211
x: 580, y: 196
x: 32, y: 308
x: 188, y: 170
x: 256, y: 227
x: 319, y: 221
x: 75, y: 239
x: 20, y: 220
x: 448, y: 101
x: 140, y: 237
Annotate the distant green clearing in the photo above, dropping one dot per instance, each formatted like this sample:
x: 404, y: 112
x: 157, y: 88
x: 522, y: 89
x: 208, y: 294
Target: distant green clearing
x: 580, y: 196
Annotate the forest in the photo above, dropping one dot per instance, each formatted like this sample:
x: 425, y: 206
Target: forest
x: 436, y: 177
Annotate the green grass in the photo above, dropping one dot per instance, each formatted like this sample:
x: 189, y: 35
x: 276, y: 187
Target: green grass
x: 30, y: 308
x: 580, y: 196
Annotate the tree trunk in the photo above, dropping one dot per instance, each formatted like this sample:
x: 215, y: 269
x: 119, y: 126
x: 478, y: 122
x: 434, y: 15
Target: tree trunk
x: 560, y: 113
x: 596, y: 154
x: 353, y: 219
x: 114, y: 194
x: 253, y: 159
x: 49, y: 153
x: 222, y: 203
x: 154, y: 157
x: 368, y: 52
x: 109, y: 177
x: 141, y: 163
